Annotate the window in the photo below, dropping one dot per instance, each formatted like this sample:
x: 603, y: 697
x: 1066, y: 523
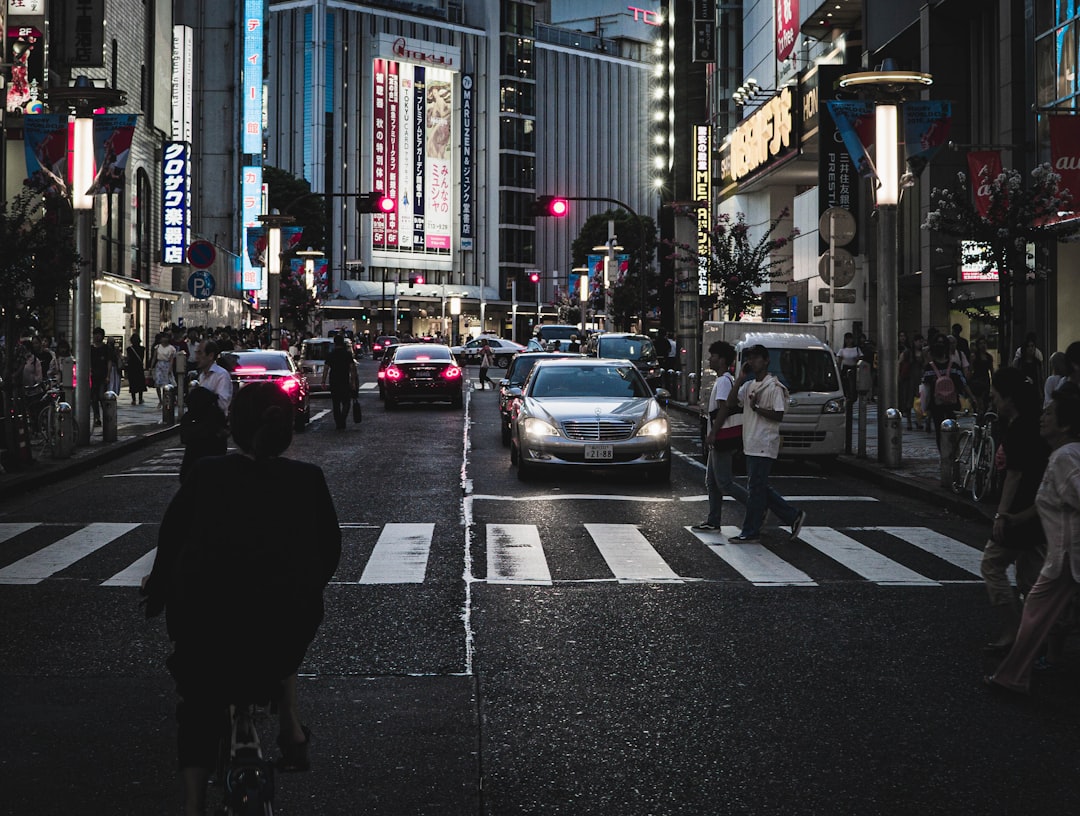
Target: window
x: 516, y: 133
x: 1056, y: 80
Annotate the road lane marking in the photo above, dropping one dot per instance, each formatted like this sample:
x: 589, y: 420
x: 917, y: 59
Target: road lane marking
x: 400, y: 555
x: 948, y: 549
x: 12, y: 529
x: 757, y: 564
x: 516, y: 556
x: 860, y: 559
x: 649, y: 499
x: 47, y: 561
x: 132, y: 576
x: 629, y: 555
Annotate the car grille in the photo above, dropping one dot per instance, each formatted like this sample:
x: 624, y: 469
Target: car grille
x: 801, y: 439
x: 598, y: 430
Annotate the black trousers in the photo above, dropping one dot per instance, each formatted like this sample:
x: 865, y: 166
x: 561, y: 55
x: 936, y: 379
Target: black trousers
x: 194, y: 451
x: 342, y: 404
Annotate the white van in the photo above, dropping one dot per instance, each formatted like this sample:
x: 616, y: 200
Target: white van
x: 814, y: 419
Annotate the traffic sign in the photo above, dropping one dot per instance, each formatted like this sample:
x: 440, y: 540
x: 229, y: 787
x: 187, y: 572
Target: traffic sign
x: 201, y: 254
x: 844, y: 264
x: 842, y: 295
x: 838, y: 224
x: 201, y: 285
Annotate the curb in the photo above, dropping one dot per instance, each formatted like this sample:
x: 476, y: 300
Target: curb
x: 21, y: 482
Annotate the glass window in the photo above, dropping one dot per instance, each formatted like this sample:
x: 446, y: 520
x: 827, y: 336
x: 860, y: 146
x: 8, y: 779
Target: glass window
x: 627, y: 348
x: 231, y: 361
x: 804, y: 369
x: 516, y: 133
x: 429, y: 351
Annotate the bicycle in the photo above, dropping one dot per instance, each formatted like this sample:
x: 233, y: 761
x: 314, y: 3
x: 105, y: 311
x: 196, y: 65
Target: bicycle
x: 245, y: 776
x: 42, y: 413
x: 973, y: 467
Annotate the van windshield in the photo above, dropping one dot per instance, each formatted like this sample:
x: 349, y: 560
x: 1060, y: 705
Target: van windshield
x: 804, y: 369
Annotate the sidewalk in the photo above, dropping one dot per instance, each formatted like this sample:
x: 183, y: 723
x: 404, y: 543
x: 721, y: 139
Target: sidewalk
x: 919, y: 474
x: 136, y: 426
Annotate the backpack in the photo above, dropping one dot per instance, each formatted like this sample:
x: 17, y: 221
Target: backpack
x: 944, y: 387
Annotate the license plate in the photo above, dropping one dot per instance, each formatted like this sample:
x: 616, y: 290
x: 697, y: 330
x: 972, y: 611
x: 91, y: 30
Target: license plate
x: 599, y: 452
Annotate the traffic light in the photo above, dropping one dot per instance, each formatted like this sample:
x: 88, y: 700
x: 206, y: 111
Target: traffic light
x: 550, y: 207
x: 375, y: 203
x: 416, y: 279
x: 534, y: 277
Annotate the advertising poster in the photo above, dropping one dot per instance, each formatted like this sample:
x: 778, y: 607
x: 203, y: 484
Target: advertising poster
x: 419, y: 156
x: 926, y: 130
x: 1065, y: 153
x: 438, y: 181
x: 26, y: 48
x: 855, y: 122
x: 45, y: 138
x: 985, y: 166
x: 393, y: 143
x: 406, y: 160
x: 378, y: 149
x: 112, y: 144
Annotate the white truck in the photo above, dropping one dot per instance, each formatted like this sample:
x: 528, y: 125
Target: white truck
x: 813, y: 422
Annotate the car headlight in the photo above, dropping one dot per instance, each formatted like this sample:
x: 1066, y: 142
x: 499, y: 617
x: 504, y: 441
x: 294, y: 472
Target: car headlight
x: 655, y: 427
x: 539, y: 428
x: 833, y: 406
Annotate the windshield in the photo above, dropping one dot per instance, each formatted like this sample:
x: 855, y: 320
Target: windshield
x: 317, y: 351
x: 256, y: 361
x: 422, y: 354
x: 616, y: 382
x: 639, y: 349
x: 804, y: 369
x: 557, y: 332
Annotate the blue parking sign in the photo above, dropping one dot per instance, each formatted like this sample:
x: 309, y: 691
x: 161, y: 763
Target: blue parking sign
x: 200, y: 285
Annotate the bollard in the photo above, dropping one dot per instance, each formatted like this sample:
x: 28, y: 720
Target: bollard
x: 64, y: 437
x: 692, y: 388
x: 894, y: 436
x: 108, y: 417
x: 864, y: 382
x: 950, y: 442
x: 168, y: 405
x: 180, y: 366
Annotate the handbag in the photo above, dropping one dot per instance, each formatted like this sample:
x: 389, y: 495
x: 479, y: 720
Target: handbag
x: 728, y: 436
x: 357, y: 413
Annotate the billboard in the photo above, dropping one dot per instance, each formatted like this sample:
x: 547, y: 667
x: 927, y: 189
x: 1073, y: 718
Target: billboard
x: 414, y: 133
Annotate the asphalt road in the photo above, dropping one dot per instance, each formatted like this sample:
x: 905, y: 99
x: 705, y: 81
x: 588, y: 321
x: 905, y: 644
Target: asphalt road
x: 565, y: 646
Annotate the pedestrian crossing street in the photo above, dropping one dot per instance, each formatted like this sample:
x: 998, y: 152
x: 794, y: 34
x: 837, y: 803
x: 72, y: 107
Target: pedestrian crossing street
x: 517, y: 554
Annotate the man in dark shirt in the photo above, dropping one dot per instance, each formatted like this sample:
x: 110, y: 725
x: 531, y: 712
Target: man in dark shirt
x: 344, y: 381
x: 99, y: 372
x: 1018, y: 403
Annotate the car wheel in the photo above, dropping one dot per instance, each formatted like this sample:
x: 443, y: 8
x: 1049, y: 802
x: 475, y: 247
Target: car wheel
x: 505, y: 433
x: 513, y: 453
x: 502, y: 362
x: 660, y: 474
x: 526, y: 470
x: 300, y: 422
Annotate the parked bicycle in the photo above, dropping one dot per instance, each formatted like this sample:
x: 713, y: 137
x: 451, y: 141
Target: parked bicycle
x: 41, y: 409
x: 973, y: 468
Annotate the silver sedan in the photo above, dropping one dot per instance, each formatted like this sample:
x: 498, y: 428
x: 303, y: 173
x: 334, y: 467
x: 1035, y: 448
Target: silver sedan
x: 593, y: 414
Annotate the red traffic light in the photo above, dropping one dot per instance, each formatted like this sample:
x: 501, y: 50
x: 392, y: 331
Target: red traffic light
x: 385, y: 204
x: 375, y: 203
x: 416, y: 280
x: 551, y: 207
x: 534, y: 277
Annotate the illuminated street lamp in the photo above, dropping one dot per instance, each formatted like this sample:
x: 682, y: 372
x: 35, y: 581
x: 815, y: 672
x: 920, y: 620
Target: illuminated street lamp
x: 610, y: 248
x: 583, y: 297
x: 81, y: 98
x: 274, y: 222
x: 888, y: 88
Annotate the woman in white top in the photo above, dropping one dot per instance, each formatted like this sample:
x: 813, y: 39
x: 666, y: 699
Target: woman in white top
x: 1059, y: 373
x: 848, y: 356
x: 1058, y: 506
x: 163, y: 356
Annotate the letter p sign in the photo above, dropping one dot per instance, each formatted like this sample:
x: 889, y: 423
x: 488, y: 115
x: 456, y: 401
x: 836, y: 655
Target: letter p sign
x: 201, y: 285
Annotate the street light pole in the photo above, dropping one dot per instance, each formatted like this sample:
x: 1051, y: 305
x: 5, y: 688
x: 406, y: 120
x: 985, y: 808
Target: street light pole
x: 274, y: 222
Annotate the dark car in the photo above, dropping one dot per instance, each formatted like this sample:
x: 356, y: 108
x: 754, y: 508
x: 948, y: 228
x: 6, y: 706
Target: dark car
x: 384, y: 357
x: 510, y: 385
x: 637, y: 348
x: 270, y: 366
x: 381, y: 343
x: 422, y: 372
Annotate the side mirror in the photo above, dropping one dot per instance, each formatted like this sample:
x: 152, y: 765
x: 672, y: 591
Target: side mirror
x: 504, y: 382
x: 513, y: 392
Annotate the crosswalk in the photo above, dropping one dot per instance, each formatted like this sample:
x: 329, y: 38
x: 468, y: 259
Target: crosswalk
x: 517, y: 554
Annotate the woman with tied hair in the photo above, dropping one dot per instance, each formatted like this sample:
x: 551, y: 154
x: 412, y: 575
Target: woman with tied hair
x: 1058, y: 508
x: 243, y: 591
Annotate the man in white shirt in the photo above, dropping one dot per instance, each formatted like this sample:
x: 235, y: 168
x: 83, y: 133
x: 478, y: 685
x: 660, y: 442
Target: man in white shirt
x: 764, y: 399
x: 204, y: 428
x: 722, y: 439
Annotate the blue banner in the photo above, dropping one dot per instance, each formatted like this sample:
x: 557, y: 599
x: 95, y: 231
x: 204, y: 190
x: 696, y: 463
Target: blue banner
x: 926, y: 130
x: 855, y: 122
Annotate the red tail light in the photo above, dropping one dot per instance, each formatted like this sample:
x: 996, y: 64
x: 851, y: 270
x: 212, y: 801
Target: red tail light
x: 377, y: 347
x: 254, y: 369
x: 394, y: 373
x: 451, y: 372
x: 289, y: 384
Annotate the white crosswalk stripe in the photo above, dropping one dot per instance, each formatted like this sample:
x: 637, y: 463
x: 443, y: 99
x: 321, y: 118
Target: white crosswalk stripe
x: 516, y: 555
x: 49, y: 560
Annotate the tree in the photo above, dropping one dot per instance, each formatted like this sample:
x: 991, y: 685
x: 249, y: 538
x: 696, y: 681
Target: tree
x: 38, y: 265
x: 737, y: 265
x: 626, y: 288
x: 1015, y: 217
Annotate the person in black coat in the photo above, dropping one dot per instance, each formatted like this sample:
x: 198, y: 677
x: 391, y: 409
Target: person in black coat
x: 135, y: 368
x: 242, y: 591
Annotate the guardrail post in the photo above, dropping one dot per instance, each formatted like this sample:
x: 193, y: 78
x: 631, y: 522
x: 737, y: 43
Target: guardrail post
x: 168, y: 405
x: 108, y: 417
x: 950, y: 442
x: 64, y: 438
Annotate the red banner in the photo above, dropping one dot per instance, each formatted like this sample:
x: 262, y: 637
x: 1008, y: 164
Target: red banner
x: 787, y: 27
x: 985, y: 166
x: 1065, y: 153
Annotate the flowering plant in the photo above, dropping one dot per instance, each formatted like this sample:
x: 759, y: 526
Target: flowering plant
x: 737, y: 263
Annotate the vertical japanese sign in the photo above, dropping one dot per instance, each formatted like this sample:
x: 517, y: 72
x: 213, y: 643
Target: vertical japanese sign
x: 27, y: 68
x: 438, y: 181
x: 419, y: 156
x: 392, y: 149
x: 838, y: 181
x: 378, y: 150
x: 175, y: 202
x: 251, y: 276
x: 182, y: 62
x: 406, y: 158
x: 787, y: 28
x: 251, y: 138
x: 466, y: 207
x: 83, y: 30
x: 704, y: 31
x: 703, y: 199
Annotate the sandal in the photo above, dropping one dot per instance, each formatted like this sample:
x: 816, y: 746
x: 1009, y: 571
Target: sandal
x: 294, y: 755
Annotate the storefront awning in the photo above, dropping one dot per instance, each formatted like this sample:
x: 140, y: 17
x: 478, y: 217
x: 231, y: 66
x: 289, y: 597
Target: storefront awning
x: 139, y: 289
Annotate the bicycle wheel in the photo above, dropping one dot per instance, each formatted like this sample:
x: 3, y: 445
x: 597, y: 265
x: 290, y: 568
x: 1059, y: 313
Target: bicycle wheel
x: 982, y: 467
x: 962, y: 463
x: 39, y: 427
